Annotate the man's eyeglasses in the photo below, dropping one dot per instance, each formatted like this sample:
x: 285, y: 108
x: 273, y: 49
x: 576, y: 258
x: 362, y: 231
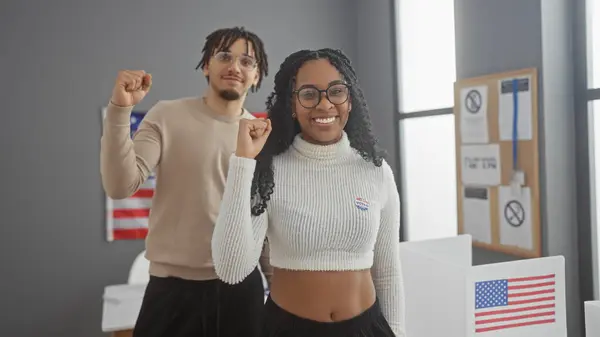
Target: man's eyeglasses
x: 245, y: 61
x: 310, y: 96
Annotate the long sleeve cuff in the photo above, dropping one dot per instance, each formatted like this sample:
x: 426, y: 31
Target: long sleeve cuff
x: 241, y: 166
x: 118, y: 116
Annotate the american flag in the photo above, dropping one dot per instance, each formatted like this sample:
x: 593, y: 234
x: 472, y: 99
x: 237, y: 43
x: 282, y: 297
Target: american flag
x: 127, y: 219
x: 514, y: 302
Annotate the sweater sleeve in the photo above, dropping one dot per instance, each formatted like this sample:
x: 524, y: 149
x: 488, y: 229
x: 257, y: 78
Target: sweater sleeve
x: 238, y: 237
x: 126, y: 163
x: 386, y: 270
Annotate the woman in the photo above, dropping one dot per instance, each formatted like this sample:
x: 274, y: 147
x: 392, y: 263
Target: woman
x: 311, y: 180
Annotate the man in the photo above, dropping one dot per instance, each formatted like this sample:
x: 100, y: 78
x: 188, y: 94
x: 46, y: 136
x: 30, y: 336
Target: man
x: 188, y: 141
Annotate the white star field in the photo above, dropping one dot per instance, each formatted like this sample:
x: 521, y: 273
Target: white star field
x: 491, y: 294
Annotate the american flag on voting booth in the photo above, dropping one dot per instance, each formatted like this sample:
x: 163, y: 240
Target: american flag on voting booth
x: 515, y: 302
x: 127, y: 219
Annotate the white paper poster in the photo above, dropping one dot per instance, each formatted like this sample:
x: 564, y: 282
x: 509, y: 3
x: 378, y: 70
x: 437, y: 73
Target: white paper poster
x: 514, y: 210
x: 508, y: 96
x: 480, y: 164
x: 518, y: 298
x: 473, y: 115
x: 476, y: 213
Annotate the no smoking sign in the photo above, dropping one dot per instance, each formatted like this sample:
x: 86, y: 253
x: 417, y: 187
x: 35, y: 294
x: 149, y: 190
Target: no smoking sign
x: 473, y: 101
x: 514, y: 213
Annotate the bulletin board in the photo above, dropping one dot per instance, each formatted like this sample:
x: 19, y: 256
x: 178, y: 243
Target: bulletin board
x: 497, y: 158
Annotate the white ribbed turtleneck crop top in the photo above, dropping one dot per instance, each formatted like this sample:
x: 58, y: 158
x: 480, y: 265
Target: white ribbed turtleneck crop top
x: 330, y: 210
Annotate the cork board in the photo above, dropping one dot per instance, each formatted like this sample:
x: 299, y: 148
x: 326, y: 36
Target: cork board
x: 491, y: 112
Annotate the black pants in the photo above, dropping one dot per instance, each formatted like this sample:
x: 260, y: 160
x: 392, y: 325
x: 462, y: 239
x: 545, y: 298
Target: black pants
x: 280, y: 323
x: 174, y: 307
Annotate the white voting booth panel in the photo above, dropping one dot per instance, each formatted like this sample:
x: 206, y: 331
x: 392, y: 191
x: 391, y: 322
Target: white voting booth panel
x: 434, y: 273
x: 122, y: 302
x: 139, y: 270
x: 592, y: 318
x: 122, y: 305
x: 447, y: 296
x: 518, y: 298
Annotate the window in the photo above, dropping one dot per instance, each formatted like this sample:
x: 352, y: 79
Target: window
x: 594, y: 125
x: 426, y: 76
x: 426, y: 54
x: 593, y: 42
x: 429, y: 177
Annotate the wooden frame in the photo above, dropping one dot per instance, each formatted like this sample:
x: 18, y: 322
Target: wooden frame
x: 122, y: 333
x: 527, y: 154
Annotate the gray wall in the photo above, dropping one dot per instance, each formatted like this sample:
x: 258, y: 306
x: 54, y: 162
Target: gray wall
x: 58, y: 62
x: 376, y: 70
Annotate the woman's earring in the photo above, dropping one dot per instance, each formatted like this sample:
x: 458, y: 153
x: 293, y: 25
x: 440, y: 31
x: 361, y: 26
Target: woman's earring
x: 293, y: 115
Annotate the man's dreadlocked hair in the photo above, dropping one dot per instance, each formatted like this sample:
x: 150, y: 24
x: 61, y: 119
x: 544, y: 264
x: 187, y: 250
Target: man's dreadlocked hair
x: 285, y: 127
x: 222, y: 39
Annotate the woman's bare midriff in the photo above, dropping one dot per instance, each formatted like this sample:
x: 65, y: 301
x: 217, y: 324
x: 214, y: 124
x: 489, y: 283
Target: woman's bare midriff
x: 324, y: 296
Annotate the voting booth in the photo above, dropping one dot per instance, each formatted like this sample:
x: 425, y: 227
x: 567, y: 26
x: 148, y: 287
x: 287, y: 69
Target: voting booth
x: 121, y: 307
x: 122, y: 302
x: 447, y: 296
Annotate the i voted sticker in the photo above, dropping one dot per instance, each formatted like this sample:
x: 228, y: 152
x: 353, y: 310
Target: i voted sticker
x: 361, y: 204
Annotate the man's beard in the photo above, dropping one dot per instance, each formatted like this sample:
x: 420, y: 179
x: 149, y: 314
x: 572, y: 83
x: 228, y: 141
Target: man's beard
x: 229, y: 95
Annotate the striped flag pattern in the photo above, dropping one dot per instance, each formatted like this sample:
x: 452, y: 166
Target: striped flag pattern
x: 127, y: 219
x: 515, y: 302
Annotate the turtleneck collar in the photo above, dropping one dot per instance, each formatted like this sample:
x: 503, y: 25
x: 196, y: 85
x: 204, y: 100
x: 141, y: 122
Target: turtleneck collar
x: 334, y: 151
